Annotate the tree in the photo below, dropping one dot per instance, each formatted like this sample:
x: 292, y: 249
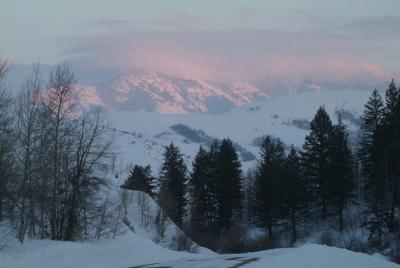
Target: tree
x: 201, y: 194
x: 229, y: 188
x: 173, y: 179
x: 375, y: 146
x: 74, y: 143
x: 371, y: 121
x: 91, y: 146
x: 269, y: 175
x: 6, y: 142
x: 392, y: 97
x: 213, y: 187
x: 27, y: 133
x: 59, y: 101
x: 140, y: 179
x: 315, y: 158
x: 391, y: 154
x: 341, y: 182
x: 294, y: 198
x: 249, y: 196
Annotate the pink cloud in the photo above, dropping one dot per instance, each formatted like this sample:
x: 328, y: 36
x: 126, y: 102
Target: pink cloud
x: 272, y: 56
x: 170, y: 59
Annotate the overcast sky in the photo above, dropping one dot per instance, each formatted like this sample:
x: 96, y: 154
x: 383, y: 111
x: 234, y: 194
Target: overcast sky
x: 342, y: 40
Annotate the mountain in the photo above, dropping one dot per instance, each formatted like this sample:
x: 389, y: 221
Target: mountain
x: 173, y: 95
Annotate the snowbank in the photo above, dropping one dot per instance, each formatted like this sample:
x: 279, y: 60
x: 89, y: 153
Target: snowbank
x: 318, y: 256
x: 132, y: 250
x: 125, y: 251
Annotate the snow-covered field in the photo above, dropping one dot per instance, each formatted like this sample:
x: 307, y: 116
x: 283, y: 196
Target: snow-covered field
x: 132, y: 250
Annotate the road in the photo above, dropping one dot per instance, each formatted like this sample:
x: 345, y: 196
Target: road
x: 217, y: 262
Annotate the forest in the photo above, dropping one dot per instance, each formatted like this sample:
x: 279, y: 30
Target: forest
x: 291, y: 192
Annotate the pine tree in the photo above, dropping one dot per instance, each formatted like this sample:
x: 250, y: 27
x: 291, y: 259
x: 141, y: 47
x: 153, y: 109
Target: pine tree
x: 140, y: 179
x: 213, y: 187
x: 341, y: 182
x: 391, y: 155
x: 315, y: 159
x: 372, y: 164
x: 229, y: 184
x: 249, y: 196
x: 269, y: 174
x: 294, y: 197
x: 199, y: 188
x: 173, y: 180
x: 392, y: 97
x: 371, y: 122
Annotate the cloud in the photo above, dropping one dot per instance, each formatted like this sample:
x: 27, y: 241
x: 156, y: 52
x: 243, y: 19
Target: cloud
x: 387, y: 26
x: 234, y: 55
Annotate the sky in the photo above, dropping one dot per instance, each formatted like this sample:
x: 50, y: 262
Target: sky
x: 340, y: 41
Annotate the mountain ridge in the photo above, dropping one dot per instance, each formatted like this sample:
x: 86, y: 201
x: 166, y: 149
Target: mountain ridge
x: 151, y: 91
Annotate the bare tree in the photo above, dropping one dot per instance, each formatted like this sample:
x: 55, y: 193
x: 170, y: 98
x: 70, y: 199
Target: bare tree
x: 92, y: 145
x: 52, y: 151
x: 6, y: 141
x: 59, y: 101
x: 27, y: 111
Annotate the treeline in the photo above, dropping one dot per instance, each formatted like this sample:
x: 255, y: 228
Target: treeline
x: 49, y: 150
x: 291, y: 190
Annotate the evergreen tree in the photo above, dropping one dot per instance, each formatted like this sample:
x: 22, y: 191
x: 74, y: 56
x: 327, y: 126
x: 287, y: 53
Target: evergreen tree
x: 372, y: 165
x: 391, y: 154
x: 341, y: 183
x: 269, y: 174
x: 213, y: 187
x: 249, y: 196
x: 371, y: 122
x: 392, y: 97
x: 294, y: 198
x: 229, y: 185
x: 173, y: 180
x: 140, y: 179
x: 199, y: 188
x: 315, y: 159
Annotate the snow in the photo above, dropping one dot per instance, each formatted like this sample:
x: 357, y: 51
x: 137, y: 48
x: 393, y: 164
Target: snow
x: 172, y: 95
x: 125, y: 251
x: 309, y: 256
x: 141, y: 213
x: 144, y: 134
x: 133, y: 250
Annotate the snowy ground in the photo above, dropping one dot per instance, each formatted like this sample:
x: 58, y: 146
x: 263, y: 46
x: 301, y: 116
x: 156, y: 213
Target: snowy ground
x: 135, y: 248
x: 132, y: 250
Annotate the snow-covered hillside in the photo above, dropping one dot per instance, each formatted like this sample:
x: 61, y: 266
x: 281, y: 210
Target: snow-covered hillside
x: 133, y: 211
x: 142, y: 135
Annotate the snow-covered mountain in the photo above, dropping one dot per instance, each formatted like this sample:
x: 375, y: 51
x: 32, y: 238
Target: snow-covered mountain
x: 170, y: 95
